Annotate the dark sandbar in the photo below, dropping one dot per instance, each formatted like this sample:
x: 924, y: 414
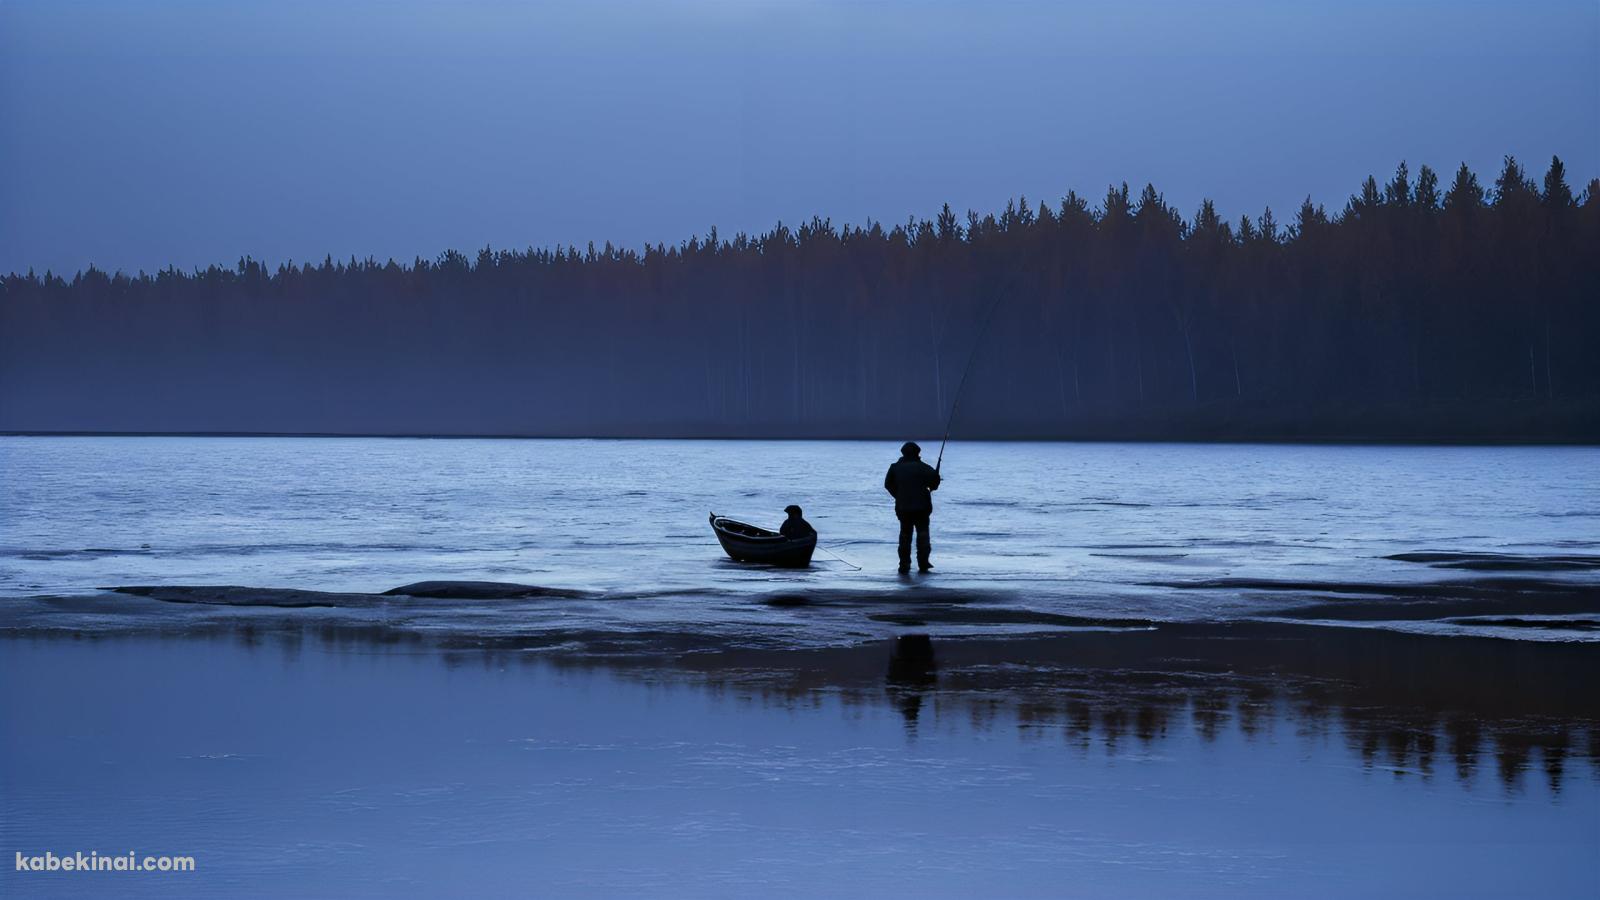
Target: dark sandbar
x: 479, y: 590
x: 1500, y: 562
x: 234, y: 595
x: 296, y: 598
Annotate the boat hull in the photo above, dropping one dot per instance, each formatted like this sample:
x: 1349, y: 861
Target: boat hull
x: 748, y: 543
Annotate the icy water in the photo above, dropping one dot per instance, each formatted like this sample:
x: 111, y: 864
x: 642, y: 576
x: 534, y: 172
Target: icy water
x: 1157, y: 670
x: 1072, y: 529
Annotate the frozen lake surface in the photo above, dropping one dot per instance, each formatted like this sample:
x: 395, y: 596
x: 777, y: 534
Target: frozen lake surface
x: 1150, y: 670
x: 1163, y: 532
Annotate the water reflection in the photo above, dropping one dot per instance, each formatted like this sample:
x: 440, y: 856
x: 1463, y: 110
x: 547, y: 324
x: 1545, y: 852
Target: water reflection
x: 913, y: 672
x: 1401, y: 703
x: 1418, y: 707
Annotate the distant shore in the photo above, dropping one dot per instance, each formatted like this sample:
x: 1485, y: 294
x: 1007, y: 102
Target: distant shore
x: 1376, y: 439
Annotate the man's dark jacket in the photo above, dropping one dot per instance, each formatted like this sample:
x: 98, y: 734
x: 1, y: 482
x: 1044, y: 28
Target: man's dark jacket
x: 911, y: 482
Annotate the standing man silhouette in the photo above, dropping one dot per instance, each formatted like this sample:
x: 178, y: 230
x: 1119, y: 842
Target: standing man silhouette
x: 912, y: 482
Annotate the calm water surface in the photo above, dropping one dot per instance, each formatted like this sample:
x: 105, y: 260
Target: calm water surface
x: 1076, y: 527
x: 453, y: 748
x: 306, y: 769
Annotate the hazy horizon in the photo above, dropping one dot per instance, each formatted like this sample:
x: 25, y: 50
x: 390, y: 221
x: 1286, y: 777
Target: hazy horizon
x: 190, y: 134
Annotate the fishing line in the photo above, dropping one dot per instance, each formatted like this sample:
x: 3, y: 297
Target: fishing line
x: 838, y: 557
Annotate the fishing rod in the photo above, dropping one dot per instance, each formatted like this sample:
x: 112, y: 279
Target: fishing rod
x: 962, y: 384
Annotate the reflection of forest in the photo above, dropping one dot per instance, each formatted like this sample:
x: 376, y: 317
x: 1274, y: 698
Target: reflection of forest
x: 1415, y: 705
x: 1411, y: 705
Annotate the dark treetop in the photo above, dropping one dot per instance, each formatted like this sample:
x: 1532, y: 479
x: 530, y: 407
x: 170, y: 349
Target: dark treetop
x: 1422, y: 310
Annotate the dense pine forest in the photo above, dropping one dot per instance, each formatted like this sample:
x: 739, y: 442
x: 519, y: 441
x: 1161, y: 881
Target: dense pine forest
x: 1420, y: 310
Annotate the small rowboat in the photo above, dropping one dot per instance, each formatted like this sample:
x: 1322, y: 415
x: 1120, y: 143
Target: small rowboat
x: 747, y: 543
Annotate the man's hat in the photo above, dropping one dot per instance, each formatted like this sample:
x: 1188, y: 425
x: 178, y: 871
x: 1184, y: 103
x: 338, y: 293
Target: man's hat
x: 910, y: 448
x: 792, y: 510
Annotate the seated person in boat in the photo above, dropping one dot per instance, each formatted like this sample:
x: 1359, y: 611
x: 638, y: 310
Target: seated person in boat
x: 794, y: 526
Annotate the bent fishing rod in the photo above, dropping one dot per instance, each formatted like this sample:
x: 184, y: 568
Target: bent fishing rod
x: 962, y: 384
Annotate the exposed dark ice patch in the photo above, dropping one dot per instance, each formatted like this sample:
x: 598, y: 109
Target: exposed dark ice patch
x: 1513, y: 622
x: 234, y: 595
x: 84, y: 553
x: 1500, y: 562
x: 991, y: 616
x: 296, y: 598
x: 480, y: 590
x: 1475, y: 587
x: 1375, y: 602
x: 1091, y: 501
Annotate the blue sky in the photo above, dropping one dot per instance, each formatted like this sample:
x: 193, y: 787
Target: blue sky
x: 134, y: 135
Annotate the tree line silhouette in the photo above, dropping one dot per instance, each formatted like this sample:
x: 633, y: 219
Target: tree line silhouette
x: 1420, y: 310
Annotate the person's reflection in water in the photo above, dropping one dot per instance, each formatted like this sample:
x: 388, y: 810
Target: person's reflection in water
x: 912, y: 671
